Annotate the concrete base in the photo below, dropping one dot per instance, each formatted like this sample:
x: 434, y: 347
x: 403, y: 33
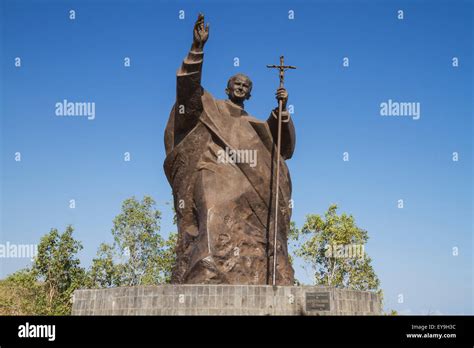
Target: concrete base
x: 204, y: 299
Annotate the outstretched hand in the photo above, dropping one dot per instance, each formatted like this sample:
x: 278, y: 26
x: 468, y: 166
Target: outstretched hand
x: 201, y: 33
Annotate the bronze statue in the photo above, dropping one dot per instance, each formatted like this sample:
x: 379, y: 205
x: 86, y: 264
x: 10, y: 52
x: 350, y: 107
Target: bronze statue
x: 221, y: 163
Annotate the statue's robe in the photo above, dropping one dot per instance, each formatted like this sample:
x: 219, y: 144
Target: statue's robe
x: 225, y: 209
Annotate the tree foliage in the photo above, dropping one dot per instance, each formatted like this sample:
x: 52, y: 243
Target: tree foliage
x: 139, y: 255
x: 58, y: 268
x: 334, y: 247
x: 22, y: 294
x: 46, y: 288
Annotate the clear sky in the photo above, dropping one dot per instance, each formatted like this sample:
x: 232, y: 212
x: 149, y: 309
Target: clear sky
x: 337, y: 110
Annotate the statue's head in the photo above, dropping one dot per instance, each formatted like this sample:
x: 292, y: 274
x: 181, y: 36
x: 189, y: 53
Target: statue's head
x: 238, y: 88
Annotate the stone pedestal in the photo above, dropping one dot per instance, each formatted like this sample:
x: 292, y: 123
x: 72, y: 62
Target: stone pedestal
x: 207, y: 299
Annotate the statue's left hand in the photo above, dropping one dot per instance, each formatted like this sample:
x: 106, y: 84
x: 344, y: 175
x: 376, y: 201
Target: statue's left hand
x: 282, y: 94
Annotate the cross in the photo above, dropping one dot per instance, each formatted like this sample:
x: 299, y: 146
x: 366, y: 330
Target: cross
x: 281, y: 69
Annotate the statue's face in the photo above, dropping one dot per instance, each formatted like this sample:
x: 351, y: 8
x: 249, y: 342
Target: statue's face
x: 238, y: 89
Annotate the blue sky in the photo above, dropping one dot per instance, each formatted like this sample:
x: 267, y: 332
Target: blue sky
x: 336, y: 110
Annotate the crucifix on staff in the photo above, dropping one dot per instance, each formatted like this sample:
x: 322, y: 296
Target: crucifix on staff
x: 282, y: 95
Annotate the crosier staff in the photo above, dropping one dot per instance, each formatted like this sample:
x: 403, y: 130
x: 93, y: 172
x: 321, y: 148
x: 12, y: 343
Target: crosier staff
x: 281, y: 69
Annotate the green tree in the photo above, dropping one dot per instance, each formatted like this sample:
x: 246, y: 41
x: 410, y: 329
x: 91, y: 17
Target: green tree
x: 104, y: 271
x: 46, y: 288
x: 58, y: 268
x: 334, y: 247
x: 22, y: 294
x: 138, y: 255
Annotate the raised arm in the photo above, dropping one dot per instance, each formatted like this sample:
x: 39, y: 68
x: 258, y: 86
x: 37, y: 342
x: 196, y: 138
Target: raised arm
x: 189, y: 74
x: 188, y: 84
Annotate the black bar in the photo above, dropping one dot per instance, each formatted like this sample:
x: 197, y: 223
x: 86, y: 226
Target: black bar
x: 201, y: 330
